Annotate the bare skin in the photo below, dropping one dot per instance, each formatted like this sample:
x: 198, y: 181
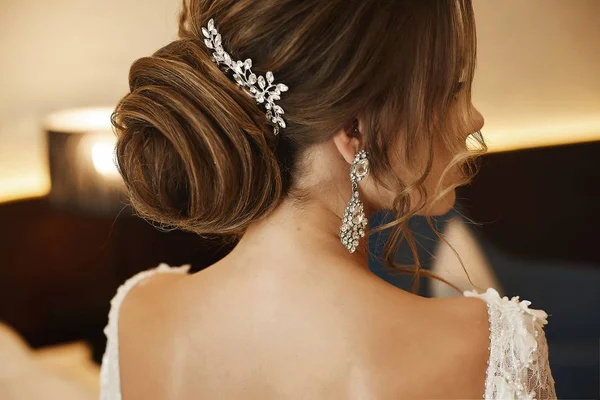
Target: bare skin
x: 290, y: 314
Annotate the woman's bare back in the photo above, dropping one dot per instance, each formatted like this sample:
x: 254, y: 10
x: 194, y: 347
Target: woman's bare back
x: 275, y: 331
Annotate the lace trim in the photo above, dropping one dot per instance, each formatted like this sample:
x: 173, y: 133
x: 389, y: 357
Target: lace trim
x: 110, y: 380
x: 518, y: 365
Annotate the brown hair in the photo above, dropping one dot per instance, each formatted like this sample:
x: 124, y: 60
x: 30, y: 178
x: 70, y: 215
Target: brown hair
x: 198, y: 154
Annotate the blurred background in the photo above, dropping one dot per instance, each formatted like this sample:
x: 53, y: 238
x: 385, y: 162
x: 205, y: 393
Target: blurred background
x: 526, y: 226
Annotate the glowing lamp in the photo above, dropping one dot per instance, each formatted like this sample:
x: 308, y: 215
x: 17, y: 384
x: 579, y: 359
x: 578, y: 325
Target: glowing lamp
x: 81, y: 156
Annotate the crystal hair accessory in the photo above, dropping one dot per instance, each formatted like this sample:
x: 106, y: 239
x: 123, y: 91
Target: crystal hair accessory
x: 266, y: 92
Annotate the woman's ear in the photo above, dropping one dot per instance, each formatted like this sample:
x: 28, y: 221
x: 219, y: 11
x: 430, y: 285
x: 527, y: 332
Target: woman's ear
x: 348, y: 141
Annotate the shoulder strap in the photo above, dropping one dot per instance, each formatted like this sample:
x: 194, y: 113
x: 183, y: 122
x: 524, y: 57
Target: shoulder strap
x: 110, y: 384
x: 518, y: 366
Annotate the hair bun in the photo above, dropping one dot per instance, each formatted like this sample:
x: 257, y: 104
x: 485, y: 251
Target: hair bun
x: 194, y: 150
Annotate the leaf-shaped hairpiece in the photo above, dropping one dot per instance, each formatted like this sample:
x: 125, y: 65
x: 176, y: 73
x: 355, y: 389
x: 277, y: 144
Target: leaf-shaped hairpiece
x: 266, y: 93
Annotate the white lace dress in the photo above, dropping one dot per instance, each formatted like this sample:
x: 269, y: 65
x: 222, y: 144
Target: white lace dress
x: 517, y: 367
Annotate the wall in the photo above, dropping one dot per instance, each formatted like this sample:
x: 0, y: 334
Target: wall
x: 538, y: 70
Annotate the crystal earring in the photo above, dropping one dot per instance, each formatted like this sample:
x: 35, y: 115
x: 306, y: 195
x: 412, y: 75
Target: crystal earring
x: 354, y: 221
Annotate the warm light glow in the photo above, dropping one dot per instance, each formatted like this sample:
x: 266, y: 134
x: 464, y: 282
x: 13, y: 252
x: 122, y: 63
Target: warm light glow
x: 98, y: 149
x: 80, y: 120
x: 103, y: 158
x: 25, y: 186
x: 519, y: 138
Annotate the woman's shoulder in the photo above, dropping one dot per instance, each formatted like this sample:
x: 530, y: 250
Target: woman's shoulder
x: 138, y: 293
x: 518, y: 364
x: 144, y: 289
x: 484, y: 341
x: 144, y: 294
x: 141, y: 278
x: 512, y: 317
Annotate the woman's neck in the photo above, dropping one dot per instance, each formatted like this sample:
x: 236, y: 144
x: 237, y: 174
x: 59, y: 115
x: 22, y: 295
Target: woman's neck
x: 305, y: 232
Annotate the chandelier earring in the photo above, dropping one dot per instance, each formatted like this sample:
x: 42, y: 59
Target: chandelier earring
x: 354, y: 221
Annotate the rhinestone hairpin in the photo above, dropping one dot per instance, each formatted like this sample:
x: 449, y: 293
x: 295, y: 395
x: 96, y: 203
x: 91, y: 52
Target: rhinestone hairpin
x: 265, y: 93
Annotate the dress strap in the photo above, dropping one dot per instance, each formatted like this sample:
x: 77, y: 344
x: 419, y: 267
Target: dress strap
x: 518, y: 365
x: 110, y: 383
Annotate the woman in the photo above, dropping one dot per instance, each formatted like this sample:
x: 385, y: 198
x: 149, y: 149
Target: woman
x: 335, y: 109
